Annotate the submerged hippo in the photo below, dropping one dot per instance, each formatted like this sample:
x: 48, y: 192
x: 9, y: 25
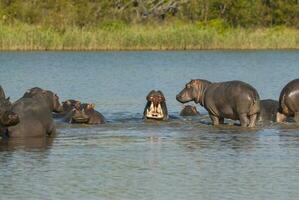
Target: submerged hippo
x: 232, y: 99
x: 269, y: 108
x: 84, y: 114
x: 67, y: 106
x: 35, y: 113
x: 156, y: 106
x: 289, y: 102
x: 189, y: 111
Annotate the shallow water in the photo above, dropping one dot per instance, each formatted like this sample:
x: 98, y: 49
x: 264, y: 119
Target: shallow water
x: 184, y: 158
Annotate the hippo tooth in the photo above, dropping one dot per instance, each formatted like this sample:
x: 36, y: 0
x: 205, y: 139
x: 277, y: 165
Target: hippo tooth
x: 159, y: 108
x: 152, y: 106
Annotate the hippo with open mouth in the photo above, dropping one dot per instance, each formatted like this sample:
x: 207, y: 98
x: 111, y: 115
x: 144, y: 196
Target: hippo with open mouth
x: 156, y: 106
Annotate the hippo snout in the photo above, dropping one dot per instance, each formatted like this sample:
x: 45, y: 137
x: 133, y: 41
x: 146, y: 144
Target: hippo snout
x: 179, y: 98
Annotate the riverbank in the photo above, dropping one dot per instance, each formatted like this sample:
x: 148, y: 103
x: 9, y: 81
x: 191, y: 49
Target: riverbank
x: 146, y: 37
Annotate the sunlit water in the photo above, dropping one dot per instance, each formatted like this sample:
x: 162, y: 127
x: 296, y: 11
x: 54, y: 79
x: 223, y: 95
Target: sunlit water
x: 127, y: 158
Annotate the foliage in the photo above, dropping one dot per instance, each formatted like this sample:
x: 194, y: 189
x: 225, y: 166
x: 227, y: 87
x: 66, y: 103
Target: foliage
x: 88, y: 13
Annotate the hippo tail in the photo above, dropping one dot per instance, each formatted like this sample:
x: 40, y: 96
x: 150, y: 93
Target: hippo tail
x: 283, y: 108
x: 255, y: 105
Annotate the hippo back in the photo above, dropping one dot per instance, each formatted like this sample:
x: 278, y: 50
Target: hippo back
x: 231, y: 98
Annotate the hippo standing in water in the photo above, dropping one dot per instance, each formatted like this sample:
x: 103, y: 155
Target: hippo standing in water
x: 269, y: 108
x: 189, y: 111
x: 35, y: 113
x: 156, y: 106
x: 232, y: 99
x: 289, y: 102
x: 84, y: 114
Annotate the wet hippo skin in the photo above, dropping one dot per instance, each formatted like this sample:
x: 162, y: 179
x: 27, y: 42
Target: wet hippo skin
x: 289, y: 102
x: 234, y: 100
x: 35, y: 113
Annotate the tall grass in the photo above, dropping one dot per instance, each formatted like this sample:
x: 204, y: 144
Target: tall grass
x: 176, y: 36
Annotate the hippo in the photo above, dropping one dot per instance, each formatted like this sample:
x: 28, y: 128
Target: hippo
x: 35, y: 113
x: 84, y: 114
x: 156, y: 106
x: 189, y: 111
x: 234, y: 100
x: 268, y: 110
x: 289, y: 102
x: 67, y: 106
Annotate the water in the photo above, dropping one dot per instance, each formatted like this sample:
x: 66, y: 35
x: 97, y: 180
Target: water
x: 184, y: 158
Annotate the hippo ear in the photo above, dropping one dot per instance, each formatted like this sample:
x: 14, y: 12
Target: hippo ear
x: 90, y: 106
x: 8, y: 98
x: 68, y: 102
x: 93, y: 105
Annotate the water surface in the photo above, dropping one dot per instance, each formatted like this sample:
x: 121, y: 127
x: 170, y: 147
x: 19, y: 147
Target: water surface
x: 184, y: 158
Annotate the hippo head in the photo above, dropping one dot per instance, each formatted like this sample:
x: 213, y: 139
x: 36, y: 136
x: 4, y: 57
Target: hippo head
x: 189, y: 111
x: 156, y: 106
x: 193, y: 91
x: 81, y: 112
x: 68, y: 105
x: 7, y: 116
x: 49, y: 96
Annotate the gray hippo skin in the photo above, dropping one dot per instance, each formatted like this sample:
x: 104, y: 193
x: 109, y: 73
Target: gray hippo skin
x: 189, y: 111
x: 269, y: 108
x: 35, y: 113
x: 234, y: 100
x: 7, y: 117
x: 289, y: 102
x: 84, y: 114
x: 155, y: 107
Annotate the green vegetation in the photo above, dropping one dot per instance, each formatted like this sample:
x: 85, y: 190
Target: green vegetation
x: 148, y: 24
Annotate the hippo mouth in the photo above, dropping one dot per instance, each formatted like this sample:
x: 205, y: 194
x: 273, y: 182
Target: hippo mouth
x: 155, y: 111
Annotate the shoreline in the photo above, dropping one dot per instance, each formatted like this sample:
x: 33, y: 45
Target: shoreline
x: 147, y: 50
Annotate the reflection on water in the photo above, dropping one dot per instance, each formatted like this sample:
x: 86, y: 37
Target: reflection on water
x: 128, y: 158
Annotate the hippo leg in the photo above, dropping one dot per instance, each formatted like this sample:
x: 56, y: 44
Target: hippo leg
x: 296, y: 117
x: 244, y: 121
x: 215, y: 120
x: 252, y: 120
x: 280, y: 117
